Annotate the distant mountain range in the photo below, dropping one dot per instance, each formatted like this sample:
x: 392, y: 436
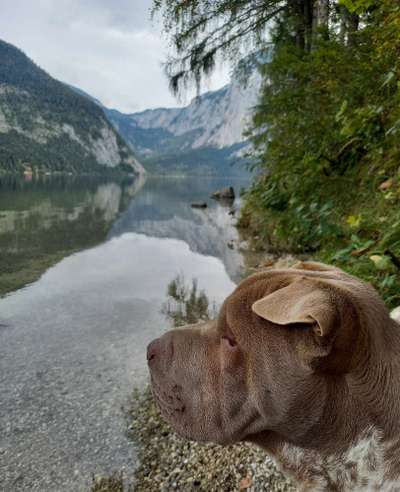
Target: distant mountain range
x: 46, y: 126
x: 50, y: 126
x: 204, y: 137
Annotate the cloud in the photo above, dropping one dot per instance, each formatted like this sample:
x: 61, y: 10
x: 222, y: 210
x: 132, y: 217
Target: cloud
x: 110, y: 49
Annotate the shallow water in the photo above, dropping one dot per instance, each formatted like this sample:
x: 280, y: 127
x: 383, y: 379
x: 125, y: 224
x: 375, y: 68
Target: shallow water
x: 72, y: 344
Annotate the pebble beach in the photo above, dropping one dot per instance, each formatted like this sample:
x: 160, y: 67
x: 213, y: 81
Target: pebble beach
x: 167, y: 462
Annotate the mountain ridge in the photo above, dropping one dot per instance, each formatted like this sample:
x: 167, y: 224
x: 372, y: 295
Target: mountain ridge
x: 46, y: 126
x: 206, y: 134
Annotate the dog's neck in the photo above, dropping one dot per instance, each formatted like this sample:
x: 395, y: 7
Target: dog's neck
x: 354, y: 444
x: 375, y: 386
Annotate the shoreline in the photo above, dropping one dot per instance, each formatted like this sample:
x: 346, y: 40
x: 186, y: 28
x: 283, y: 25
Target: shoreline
x: 166, y: 462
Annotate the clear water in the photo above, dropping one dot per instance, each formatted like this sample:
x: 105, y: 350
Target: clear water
x: 72, y: 343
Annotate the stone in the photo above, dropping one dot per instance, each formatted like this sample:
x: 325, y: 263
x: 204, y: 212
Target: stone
x: 224, y: 193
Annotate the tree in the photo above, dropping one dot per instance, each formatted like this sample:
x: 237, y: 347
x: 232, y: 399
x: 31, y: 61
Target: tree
x: 202, y: 30
x: 321, y: 16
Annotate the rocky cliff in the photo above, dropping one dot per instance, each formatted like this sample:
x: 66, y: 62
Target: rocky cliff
x: 47, y: 126
x: 206, y: 135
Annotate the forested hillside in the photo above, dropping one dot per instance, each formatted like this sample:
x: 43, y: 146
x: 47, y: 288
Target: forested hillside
x: 45, y: 126
x: 326, y: 130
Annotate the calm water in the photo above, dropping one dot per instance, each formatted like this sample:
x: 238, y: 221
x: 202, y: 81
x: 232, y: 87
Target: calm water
x: 72, y: 343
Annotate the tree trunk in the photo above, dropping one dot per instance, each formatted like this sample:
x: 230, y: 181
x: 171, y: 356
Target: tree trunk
x: 349, y: 25
x: 343, y: 27
x: 352, y: 25
x: 308, y: 21
x: 321, y: 18
x: 297, y: 8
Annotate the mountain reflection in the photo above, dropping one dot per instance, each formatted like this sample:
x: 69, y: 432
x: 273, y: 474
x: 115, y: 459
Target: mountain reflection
x: 43, y: 220
x: 162, y: 209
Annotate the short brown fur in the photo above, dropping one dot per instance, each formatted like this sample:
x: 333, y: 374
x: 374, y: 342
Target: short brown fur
x: 303, y: 359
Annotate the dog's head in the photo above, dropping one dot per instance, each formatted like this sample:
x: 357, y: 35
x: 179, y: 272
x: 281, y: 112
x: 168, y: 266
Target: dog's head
x: 281, y: 340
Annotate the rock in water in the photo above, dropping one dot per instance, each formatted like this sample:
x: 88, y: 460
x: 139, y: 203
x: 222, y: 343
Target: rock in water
x: 224, y: 193
x: 199, y: 205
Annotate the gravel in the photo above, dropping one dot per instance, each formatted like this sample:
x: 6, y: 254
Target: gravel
x: 167, y: 462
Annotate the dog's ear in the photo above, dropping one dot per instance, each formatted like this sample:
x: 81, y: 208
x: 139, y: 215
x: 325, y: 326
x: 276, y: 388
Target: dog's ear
x: 300, y: 302
x: 324, y: 309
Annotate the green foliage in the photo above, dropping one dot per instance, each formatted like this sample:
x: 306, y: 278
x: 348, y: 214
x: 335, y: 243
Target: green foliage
x: 291, y: 223
x: 203, y: 31
x: 309, y: 223
x: 326, y: 133
x: 186, y: 305
x: 309, y: 122
x: 358, y: 6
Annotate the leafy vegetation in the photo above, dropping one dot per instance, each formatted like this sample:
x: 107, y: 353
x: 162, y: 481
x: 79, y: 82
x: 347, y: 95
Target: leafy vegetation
x: 186, y: 305
x: 326, y: 130
x: 327, y: 134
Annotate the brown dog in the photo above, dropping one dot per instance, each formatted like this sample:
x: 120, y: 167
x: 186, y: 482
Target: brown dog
x: 305, y: 362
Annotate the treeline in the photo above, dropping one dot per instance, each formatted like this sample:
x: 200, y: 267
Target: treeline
x: 204, y: 161
x: 326, y: 130
x: 60, y: 154
x: 19, y: 153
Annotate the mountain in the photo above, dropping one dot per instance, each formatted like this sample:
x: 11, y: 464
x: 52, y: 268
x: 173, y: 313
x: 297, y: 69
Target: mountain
x: 205, y: 137
x: 45, y: 125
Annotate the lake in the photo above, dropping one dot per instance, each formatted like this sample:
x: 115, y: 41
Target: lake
x: 89, y: 262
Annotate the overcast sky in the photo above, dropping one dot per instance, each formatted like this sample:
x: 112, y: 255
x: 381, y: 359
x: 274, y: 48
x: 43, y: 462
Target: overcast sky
x: 109, y: 48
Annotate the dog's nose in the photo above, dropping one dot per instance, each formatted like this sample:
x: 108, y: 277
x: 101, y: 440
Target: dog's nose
x: 153, y: 349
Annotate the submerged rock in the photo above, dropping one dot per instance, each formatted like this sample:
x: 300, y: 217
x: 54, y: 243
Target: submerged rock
x: 224, y: 193
x: 199, y: 205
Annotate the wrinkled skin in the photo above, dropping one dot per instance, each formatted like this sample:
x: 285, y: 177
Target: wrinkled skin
x: 210, y: 390
x: 293, y: 373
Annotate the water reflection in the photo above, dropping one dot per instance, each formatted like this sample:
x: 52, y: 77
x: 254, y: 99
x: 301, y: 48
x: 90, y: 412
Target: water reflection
x: 72, y: 344
x: 162, y: 209
x: 43, y: 220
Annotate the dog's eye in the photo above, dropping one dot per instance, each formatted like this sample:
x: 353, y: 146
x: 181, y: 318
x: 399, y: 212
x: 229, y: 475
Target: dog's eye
x: 230, y: 341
